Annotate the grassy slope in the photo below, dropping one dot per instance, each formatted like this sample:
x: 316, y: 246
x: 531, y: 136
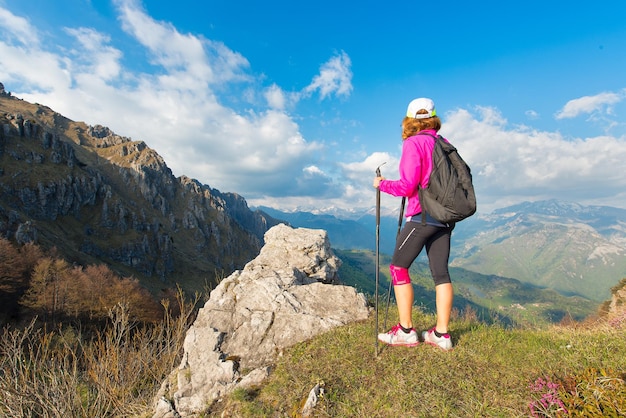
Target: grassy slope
x: 497, y: 357
x: 487, y: 374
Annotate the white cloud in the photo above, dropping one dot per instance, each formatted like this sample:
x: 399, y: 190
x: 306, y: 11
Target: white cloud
x: 532, y: 114
x: 23, y: 62
x: 524, y: 164
x: 335, y: 77
x: 187, y: 57
x: 589, y: 104
x: 17, y: 27
x: 23, y: 67
x: 175, y: 109
x: 102, y: 60
x: 313, y: 171
x: 275, y: 97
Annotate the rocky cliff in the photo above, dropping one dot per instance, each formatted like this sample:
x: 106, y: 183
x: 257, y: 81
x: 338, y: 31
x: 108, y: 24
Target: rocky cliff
x: 288, y: 294
x: 99, y: 197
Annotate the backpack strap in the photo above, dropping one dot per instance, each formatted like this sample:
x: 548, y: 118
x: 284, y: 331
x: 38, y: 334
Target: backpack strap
x: 435, y: 138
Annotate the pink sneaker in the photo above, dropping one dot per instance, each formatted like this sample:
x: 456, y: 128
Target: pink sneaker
x: 444, y: 341
x: 398, y: 337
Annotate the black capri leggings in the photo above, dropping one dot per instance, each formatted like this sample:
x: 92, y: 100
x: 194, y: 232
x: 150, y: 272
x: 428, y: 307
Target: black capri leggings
x: 413, y: 237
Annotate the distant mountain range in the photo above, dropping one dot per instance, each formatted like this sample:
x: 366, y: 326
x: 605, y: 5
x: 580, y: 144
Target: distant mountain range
x: 574, y: 249
x: 356, y: 232
x: 568, y: 247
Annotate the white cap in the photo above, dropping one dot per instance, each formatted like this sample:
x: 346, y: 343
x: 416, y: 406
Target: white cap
x: 421, y: 104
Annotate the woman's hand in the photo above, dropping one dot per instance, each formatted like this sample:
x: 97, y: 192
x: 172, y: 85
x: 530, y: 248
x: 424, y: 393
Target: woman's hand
x: 377, y: 181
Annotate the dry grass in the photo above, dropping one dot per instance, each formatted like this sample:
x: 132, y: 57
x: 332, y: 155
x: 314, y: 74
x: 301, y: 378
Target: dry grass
x: 491, y: 372
x: 114, y: 373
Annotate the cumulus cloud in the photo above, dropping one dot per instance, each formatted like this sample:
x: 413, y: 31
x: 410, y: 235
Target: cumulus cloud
x: 532, y: 114
x: 335, y: 77
x: 589, y: 104
x: 175, y: 109
x: 23, y: 59
x: 509, y: 164
x: 516, y: 162
x: 17, y: 27
x: 186, y: 57
x: 104, y: 60
x: 275, y: 97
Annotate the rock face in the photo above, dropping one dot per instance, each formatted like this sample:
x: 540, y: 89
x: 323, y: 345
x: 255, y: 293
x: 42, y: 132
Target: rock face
x: 288, y: 294
x: 98, y: 197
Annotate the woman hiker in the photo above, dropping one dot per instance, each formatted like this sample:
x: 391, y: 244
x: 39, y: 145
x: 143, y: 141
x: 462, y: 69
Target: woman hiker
x: 421, y: 121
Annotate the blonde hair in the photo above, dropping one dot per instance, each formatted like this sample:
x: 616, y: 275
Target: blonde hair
x: 411, y: 126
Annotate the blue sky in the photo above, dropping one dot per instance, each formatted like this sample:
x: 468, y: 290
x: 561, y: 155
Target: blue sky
x: 294, y: 105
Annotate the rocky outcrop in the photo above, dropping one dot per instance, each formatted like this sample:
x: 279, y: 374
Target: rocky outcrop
x: 289, y: 293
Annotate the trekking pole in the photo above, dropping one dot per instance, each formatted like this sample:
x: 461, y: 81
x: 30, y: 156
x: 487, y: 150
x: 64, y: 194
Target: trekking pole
x: 391, y: 281
x: 377, y: 255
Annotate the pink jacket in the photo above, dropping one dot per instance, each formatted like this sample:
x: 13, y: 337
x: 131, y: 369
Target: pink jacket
x: 416, y: 164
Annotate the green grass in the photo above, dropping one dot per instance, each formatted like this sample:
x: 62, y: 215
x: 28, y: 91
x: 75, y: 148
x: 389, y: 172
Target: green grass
x: 489, y: 372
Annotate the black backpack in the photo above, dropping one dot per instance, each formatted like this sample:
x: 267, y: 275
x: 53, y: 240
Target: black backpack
x: 449, y: 196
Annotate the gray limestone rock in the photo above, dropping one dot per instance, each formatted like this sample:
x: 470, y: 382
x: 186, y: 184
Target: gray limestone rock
x: 288, y: 294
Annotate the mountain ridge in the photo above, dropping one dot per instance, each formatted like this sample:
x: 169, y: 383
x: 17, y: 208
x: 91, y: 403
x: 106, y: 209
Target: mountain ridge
x: 100, y: 197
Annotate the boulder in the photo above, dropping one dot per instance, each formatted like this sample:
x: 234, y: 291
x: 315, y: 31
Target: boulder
x: 288, y: 294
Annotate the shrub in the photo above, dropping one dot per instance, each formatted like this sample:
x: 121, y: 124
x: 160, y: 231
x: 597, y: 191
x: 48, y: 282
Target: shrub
x: 113, y: 373
x: 592, y: 393
x: 595, y: 392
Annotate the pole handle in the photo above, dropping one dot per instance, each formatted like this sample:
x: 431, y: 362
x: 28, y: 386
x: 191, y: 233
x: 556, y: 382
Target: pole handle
x: 378, y: 169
